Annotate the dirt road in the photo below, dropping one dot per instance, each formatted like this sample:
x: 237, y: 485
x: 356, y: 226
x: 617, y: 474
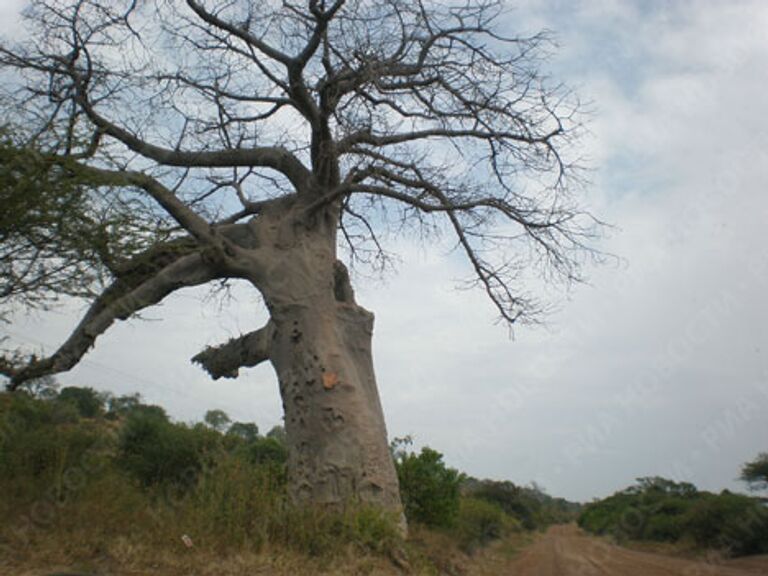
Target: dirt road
x: 566, y: 551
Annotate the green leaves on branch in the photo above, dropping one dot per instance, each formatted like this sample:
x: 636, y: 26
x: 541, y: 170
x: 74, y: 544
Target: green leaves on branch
x: 755, y: 473
x: 59, y: 228
x: 45, y: 231
x: 429, y: 489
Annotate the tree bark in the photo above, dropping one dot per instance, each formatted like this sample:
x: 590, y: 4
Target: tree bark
x: 337, y: 438
x: 320, y: 348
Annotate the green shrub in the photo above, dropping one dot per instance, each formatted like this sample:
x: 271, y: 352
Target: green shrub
x: 41, y: 440
x: 121, y: 406
x: 246, y: 431
x: 730, y: 522
x: 266, y: 451
x: 663, y: 527
x: 141, y: 480
x: 661, y: 510
x: 158, y: 452
x: 512, y: 499
x: 278, y: 433
x: 23, y: 412
x: 150, y: 411
x: 88, y: 402
x: 479, y: 522
x: 429, y: 489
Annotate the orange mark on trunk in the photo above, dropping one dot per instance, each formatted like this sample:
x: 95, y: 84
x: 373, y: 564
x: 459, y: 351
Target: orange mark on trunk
x: 330, y: 379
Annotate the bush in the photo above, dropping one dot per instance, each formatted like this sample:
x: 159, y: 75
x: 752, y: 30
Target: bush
x: 40, y: 440
x: 429, y: 489
x: 479, y: 522
x: 664, y: 528
x: 731, y: 522
x: 121, y: 406
x: 512, y: 499
x: 268, y: 451
x: 88, y: 402
x: 234, y: 503
x: 661, y: 510
x: 141, y: 481
x: 158, y: 452
x: 246, y: 431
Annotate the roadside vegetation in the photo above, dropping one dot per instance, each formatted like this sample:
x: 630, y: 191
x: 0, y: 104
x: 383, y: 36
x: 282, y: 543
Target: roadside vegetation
x: 474, y: 512
x: 660, y: 510
x: 97, y: 481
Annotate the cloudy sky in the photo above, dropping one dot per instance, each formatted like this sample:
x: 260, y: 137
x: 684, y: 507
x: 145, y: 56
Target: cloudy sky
x: 659, y: 366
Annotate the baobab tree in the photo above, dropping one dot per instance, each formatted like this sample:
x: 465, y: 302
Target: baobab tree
x: 272, y: 142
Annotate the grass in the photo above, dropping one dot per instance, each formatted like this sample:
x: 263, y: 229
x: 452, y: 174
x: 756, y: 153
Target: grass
x: 426, y: 553
x: 107, y: 495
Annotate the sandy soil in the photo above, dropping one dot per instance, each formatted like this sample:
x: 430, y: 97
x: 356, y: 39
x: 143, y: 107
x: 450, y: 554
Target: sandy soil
x: 567, y: 551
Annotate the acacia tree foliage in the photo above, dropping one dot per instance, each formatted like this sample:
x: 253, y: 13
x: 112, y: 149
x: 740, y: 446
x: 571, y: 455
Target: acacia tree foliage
x: 59, y: 236
x: 267, y: 135
x: 755, y: 472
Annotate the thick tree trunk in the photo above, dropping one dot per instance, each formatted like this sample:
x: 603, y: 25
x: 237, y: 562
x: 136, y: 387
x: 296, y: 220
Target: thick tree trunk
x: 333, y: 417
x: 320, y: 347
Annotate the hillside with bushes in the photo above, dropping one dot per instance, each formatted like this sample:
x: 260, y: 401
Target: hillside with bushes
x: 97, y: 481
x: 660, y: 510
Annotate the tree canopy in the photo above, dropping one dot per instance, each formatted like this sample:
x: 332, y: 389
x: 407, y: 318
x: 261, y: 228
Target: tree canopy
x: 755, y: 472
x: 217, y: 419
x: 404, y: 111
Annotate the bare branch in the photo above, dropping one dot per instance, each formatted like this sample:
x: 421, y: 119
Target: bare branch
x: 118, y: 302
x: 273, y: 157
x: 425, y: 107
x: 365, y: 137
x: 226, y: 360
x: 239, y: 32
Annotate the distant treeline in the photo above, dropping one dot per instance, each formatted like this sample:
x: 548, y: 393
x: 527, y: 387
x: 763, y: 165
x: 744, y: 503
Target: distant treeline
x: 656, y: 509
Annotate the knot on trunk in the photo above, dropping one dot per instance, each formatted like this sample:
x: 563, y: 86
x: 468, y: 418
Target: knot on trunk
x: 342, y: 286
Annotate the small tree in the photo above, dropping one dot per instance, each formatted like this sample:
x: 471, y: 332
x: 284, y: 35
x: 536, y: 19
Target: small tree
x: 124, y: 405
x: 247, y: 431
x: 217, y: 419
x: 755, y: 473
x: 511, y: 499
x: 429, y: 489
x: 89, y: 402
x: 269, y: 451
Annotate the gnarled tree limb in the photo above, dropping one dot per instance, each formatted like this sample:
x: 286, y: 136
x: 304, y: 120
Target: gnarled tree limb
x: 226, y: 360
x: 273, y: 157
x: 116, y: 303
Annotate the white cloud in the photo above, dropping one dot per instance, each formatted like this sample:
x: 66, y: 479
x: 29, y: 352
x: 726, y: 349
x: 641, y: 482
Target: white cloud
x: 10, y: 16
